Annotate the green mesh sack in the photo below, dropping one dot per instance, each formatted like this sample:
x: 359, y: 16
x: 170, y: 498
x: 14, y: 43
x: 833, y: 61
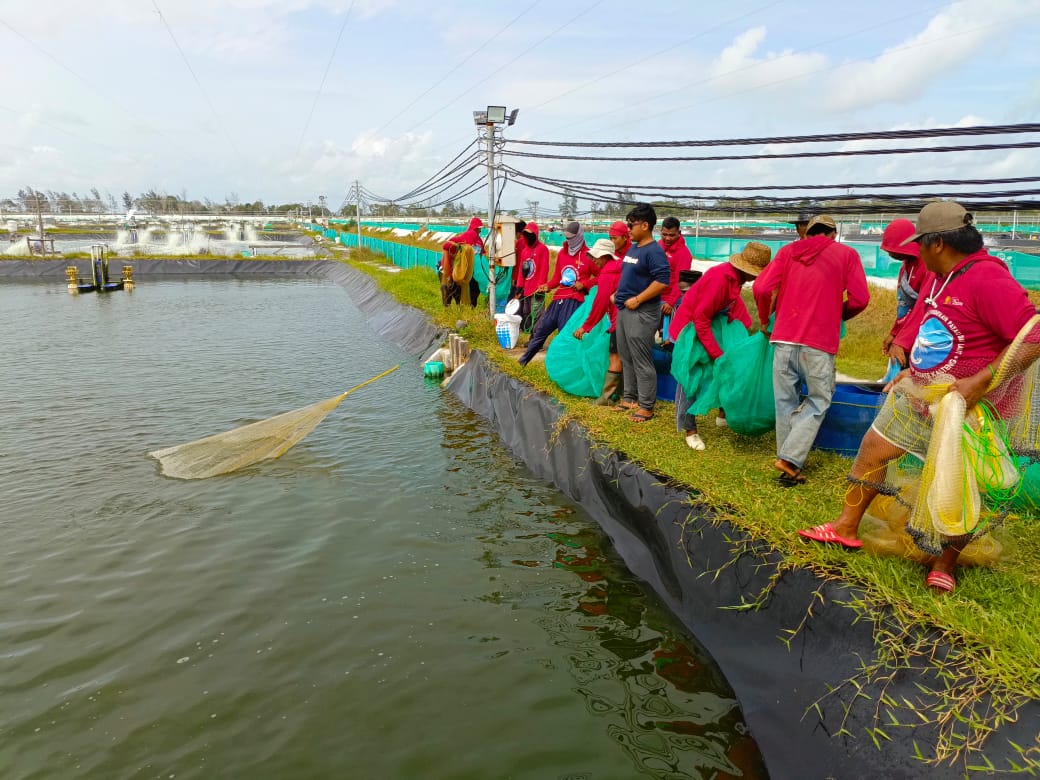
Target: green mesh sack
x: 695, y: 370
x: 579, y: 367
x: 744, y: 376
x: 503, y: 280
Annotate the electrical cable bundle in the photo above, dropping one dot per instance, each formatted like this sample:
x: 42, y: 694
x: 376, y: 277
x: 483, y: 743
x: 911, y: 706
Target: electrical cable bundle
x: 839, y: 197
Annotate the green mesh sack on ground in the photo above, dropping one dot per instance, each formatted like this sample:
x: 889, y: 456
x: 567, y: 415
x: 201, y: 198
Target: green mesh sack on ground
x: 695, y: 371
x: 579, y: 367
x: 744, y: 377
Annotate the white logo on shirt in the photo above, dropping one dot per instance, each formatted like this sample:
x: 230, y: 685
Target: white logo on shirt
x: 630, y: 259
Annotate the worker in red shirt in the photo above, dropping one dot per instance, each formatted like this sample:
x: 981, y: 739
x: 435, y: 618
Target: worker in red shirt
x: 451, y: 291
x: 605, y: 255
x: 679, y: 259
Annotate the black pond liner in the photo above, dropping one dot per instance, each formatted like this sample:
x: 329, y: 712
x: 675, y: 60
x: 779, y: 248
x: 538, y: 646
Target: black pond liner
x: 675, y: 547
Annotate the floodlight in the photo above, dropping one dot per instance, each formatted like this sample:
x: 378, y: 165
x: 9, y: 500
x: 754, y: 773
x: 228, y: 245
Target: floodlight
x: 512, y: 116
x: 496, y: 114
x: 480, y: 117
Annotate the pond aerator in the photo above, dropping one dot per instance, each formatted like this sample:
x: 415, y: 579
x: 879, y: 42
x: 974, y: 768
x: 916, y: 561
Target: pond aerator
x: 99, y: 281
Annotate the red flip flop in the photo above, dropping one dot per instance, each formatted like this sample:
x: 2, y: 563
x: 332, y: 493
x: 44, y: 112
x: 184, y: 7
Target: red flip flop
x: 825, y: 533
x: 940, y: 581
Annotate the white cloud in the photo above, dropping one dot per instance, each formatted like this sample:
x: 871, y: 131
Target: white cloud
x: 737, y: 67
x: 903, y: 72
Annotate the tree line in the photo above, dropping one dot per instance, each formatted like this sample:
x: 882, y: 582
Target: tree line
x: 29, y: 199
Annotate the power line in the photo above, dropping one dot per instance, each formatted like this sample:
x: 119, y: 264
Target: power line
x: 321, y: 86
x: 448, y: 179
x: 907, y: 203
x: 768, y: 187
x: 657, y: 53
x: 198, y: 83
x: 441, y: 173
x: 786, y: 155
x: 79, y: 76
x: 643, y: 118
x: 473, y: 54
x: 935, y: 132
x: 526, y: 51
x: 630, y: 105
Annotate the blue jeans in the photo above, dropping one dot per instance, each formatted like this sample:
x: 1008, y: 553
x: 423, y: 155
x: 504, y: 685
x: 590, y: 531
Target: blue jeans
x: 798, y: 418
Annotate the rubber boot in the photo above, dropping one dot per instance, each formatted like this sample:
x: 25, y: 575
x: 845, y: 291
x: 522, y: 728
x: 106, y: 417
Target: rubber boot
x: 611, y: 385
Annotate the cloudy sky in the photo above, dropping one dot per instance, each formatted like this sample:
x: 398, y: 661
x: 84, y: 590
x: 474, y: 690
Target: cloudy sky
x: 285, y: 100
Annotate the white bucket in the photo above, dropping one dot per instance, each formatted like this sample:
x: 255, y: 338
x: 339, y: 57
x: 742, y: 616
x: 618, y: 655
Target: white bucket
x: 507, y: 329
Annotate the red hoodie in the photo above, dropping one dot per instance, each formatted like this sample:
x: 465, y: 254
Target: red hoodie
x: 916, y: 276
x: 978, y: 309
x: 715, y: 292
x: 532, y: 263
x: 679, y: 259
x: 470, y: 236
x: 584, y: 271
x: 813, y: 277
x: 603, y: 303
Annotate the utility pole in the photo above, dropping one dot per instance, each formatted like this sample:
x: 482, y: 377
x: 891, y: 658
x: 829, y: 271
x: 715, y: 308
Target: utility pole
x: 357, y: 209
x: 494, y: 115
x: 491, y: 215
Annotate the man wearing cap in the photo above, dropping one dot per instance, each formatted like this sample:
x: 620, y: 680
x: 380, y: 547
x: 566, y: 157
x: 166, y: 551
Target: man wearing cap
x: 913, y: 277
x: 573, y: 277
x: 532, y: 274
x: 679, y: 259
x: 451, y: 291
x: 819, y: 283
x: 645, y: 274
x: 603, y: 253
x: 620, y: 238
x: 717, y: 294
x: 970, y: 314
x: 801, y: 224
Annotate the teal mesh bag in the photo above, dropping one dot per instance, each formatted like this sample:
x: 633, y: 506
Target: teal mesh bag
x: 744, y: 377
x: 579, y: 367
x: 695, y: 371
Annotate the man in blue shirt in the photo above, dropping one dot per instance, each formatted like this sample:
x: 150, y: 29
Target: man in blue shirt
x: 645, y: 274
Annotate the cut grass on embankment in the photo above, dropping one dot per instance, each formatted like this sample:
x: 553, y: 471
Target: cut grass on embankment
x: 988, y: 629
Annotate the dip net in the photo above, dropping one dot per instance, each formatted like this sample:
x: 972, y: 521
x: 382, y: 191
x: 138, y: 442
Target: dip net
x: 248, y: 444
x: 966, y: 469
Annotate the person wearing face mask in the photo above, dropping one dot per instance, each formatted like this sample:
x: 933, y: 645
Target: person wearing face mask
x: 573, y: 277
x: 532, y: 273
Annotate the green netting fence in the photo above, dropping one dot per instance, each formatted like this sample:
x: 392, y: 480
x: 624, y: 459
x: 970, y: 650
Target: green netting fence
x: 1024, y: 267
x: 407, y: 256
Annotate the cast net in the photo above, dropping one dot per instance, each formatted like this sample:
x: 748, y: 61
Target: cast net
x: 248, y: 444
x: 966, y: 469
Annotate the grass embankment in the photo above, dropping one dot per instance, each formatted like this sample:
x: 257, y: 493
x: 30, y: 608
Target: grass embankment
x: 990, y: 664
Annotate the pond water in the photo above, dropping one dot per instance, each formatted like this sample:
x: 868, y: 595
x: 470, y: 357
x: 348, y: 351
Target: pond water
x: 396, y: 597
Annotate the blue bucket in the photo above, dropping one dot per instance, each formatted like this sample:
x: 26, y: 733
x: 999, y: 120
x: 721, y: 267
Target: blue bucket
x: 850, y: 415
x: 665, y: 381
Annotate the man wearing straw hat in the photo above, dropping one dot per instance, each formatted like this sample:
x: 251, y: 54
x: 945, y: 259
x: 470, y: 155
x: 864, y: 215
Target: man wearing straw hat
x: 819, y: 283
x: 716, y: 294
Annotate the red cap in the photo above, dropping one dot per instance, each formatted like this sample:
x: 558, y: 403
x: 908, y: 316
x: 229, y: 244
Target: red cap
x: 618, y: 229
x: 895, y: 234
